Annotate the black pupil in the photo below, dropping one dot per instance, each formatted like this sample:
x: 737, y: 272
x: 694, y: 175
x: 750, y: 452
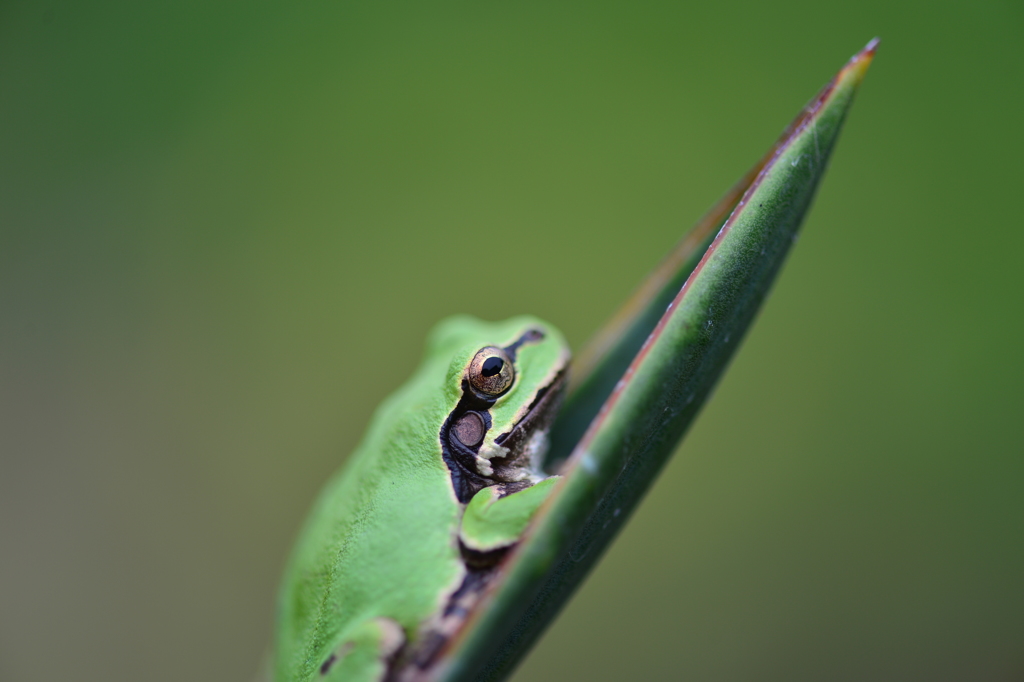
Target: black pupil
x: 492, y: 366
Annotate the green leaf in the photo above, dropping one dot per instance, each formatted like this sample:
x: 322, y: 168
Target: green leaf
x: 644, y: 380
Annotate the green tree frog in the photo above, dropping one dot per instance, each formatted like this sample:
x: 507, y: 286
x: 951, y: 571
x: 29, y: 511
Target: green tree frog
x: 404, y: 537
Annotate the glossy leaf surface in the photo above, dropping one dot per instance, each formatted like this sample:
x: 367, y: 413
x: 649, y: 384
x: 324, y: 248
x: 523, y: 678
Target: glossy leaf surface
x: 645, y: 379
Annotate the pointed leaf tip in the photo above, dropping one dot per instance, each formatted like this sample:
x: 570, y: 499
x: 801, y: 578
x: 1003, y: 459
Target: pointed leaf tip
x: 627, y: 427
x: 860, y: 62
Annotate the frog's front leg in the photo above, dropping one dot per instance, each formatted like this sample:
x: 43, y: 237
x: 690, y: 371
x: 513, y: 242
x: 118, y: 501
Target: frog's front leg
x: 491, y: 522
x: 364, y: 653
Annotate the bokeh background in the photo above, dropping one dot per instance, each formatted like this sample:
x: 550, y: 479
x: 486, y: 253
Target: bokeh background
x: 226, y: 227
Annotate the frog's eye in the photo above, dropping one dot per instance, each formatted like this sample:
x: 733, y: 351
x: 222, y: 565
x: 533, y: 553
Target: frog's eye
x: 491, y: 371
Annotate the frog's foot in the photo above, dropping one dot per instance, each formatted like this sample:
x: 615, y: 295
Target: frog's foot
x: 492, y: 522
x: 365, y: 653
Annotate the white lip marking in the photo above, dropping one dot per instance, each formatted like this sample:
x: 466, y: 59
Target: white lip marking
x: 483, y: 467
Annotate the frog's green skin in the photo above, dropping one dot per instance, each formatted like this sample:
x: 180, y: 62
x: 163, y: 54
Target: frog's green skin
x: 371, y: 588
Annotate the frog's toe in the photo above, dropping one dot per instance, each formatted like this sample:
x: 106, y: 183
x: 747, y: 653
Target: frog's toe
x: 365, y: 653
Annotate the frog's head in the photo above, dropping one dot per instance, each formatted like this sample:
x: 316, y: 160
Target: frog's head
x: 509, y: 381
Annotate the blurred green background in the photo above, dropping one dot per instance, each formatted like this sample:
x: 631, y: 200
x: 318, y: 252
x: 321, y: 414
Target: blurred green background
x: 226, y: 227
